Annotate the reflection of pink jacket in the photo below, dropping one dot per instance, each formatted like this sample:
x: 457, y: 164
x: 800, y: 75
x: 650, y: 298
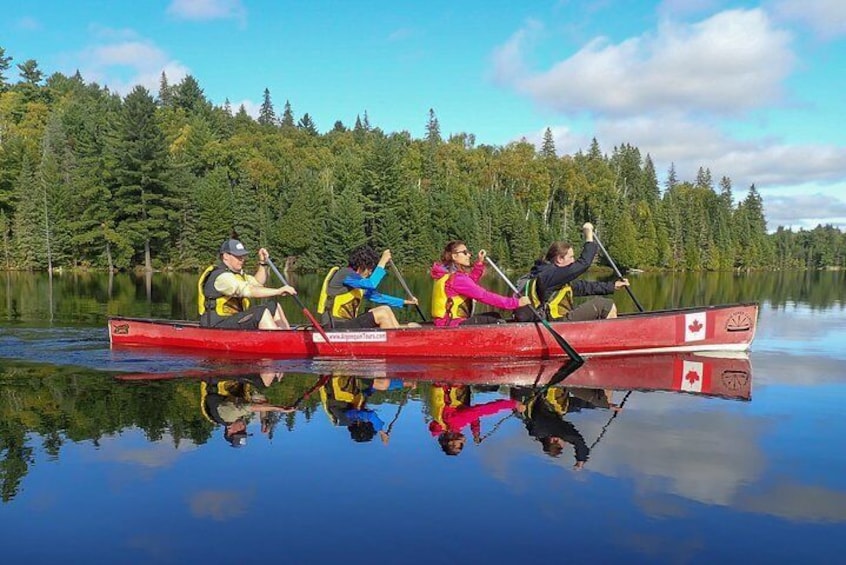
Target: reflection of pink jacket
x: 456, y: 418
x: 466, y: 285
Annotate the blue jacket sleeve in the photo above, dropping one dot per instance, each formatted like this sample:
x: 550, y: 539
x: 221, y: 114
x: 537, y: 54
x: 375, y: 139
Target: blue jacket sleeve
x: 369, y: 285
x: 355, y: 280
x: 366, y: 416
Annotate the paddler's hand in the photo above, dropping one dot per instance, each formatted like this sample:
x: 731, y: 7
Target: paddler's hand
x: 588, y: 231
x: 412, y: 302
x: 286, y: 290
x: 621, y: 283
x: 263, y: 255
x: 482, y: 255
x: 525, y: 301
x: 386, y: 256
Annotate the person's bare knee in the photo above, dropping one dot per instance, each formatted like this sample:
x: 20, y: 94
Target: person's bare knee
x: 613, y: 312
x: 267, y: 322
x: 280, y: 319
x: 385, y: 318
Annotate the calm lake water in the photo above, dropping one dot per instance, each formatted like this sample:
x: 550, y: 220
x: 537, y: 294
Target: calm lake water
x: 122, y: 456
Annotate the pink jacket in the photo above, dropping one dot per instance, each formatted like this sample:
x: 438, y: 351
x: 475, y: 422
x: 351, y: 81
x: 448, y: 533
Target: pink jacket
x: 457, y: 418
x: 467, y: 285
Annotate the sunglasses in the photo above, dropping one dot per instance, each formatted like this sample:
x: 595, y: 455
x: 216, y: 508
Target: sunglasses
x: 463, y: 252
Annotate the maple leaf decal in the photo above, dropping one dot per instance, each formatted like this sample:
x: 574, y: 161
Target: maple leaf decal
x: 692, y: 376
x: 695, y: 327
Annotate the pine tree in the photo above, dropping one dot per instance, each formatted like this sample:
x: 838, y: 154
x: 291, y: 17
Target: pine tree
x: 189, y: 96
x: 287, y: 116
x: 30, y: 73
x: 672, y: 179
x: 267, y: 117
x: 306, y: 124
x: 650, y: 189
x: 548, y: 146
x: 165, y: 92
x: 345, y: 225
x: 703, y: 179
x: 5, y: 63
x: 145, y: 208
x: 28, y: 243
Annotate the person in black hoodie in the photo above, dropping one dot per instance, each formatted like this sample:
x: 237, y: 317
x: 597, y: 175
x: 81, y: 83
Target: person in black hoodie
x: 545, y: 421
x: 553, y: 282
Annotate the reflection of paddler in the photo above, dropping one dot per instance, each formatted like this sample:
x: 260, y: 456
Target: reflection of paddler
x: 232, y: 402
x: 451, y: 413
x: 544, y: 420
x: 344, y: 398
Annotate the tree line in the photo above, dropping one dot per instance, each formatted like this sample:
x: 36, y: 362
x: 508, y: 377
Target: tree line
x: 90, y: 179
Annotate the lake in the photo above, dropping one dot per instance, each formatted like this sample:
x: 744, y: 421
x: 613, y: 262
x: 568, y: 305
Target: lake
x: 138, y: 456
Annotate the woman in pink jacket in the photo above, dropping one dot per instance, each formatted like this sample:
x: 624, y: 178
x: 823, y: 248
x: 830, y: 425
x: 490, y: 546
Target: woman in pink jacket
x: 457, y: 286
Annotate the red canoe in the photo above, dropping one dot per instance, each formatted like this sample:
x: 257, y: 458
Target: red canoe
x: 724, y: 375
x: 712, y: 328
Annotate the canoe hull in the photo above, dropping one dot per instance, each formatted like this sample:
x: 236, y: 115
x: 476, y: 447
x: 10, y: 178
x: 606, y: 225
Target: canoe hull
x: 713, y: 328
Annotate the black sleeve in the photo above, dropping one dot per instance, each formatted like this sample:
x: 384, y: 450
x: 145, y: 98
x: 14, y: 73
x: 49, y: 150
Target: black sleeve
x: 556, y: 277
x: 591, y: 288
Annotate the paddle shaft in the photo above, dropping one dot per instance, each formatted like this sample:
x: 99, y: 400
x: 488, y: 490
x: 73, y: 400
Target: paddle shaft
x: 616, y: 270
x: 320, y: 382
x: 406, y: 289
x: 306, y: 311
x: 568, y: 349
x: 608, y: 423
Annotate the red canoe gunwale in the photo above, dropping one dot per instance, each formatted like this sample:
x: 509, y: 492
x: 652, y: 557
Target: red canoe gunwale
x: 712, y: 328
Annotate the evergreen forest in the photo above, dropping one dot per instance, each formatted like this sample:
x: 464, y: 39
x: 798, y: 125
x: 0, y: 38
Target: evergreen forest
x: 93, y: 180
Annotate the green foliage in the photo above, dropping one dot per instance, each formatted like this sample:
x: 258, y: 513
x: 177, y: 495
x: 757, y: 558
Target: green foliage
x: 88, y: 179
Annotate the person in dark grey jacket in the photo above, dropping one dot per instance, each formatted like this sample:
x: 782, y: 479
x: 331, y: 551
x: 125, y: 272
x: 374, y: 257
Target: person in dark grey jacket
x: 553, y: 282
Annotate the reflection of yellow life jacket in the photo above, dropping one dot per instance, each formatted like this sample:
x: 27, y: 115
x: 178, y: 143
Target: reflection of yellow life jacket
x: 339, y: 395
x: 451, y: 307
x: 336, y: 299
x: 441, y: 396
x: 213, y: 392
x: 212, y: 304
x: 558, y: 399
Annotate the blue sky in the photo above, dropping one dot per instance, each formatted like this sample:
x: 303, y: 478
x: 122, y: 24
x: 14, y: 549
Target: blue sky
x: 751, y: 90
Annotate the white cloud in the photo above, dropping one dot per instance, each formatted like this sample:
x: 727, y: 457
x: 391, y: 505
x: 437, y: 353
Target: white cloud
x: 219, y: 505
x: 153, y: 455
x: 400, y: 34
x: 28, y: 23
x: 826, y: 17
x: 805, y: 210
x: 686, y: 7
x: 251, y: 107
x: 709, y: 66
x: 508, y: 65
x: 126, y: 62
x: 801, y: 185
x: 798, y: 503
x: 200, y: 10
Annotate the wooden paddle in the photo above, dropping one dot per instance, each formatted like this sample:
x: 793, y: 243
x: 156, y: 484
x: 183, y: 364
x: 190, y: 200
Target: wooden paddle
x: 407, y: 290
x: 306, y: 311
x: 616, y: 270
x: 558, y: 338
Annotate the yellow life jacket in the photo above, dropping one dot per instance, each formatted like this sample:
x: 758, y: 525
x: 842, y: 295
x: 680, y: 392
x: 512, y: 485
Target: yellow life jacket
x: 557, y: 307
x: 212, y: 304
x: 558, y: 399
x: 449, y: 306
x: 337, y: 303
x: 560, y: 304
x: 441, y: 396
